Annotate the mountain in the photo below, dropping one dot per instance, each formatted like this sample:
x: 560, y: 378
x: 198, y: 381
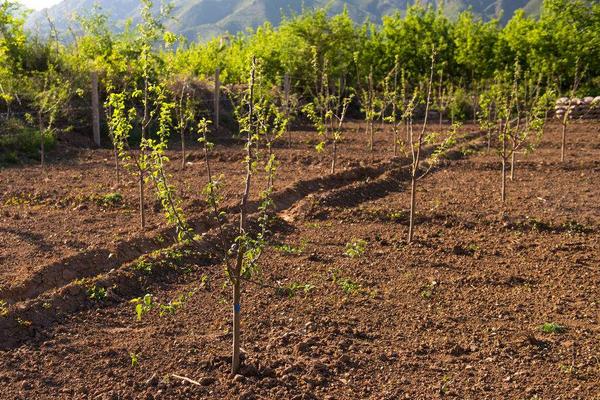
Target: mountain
x: 208, y: 18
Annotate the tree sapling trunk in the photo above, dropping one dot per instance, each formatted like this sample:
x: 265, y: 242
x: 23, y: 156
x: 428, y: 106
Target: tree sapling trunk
x: 416, y: 155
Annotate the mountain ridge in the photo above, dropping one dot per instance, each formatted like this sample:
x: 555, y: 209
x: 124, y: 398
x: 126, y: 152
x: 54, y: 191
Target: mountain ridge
x: 209, y: 18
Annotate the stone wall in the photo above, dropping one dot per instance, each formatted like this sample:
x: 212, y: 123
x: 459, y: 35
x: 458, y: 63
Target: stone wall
x: 576, y: 108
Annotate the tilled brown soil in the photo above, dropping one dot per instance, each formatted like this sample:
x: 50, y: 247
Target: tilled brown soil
x: 456, y: 314
x: 55, y: 226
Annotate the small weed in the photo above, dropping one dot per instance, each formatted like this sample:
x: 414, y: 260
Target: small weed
x: 291, y: 250
x: 204, y: 282
x: 398, y: 216
x: 319, y: 225
x: 294, y: 288
x: 47, y: 305
x: 539, y: 225
x: 143, y: 266
x: 468, y: 250
x: 110, y: 200
x: 85, y: 282
x: 552, y: 327
x: 96, y: 293
x: 349, y: 286
x: 446, y: 381
x: 23, y: 322
x: 143, y: 305
x: 173, y: 255
x: 568, y: 369
x: 428, y: 291
x: 575, y: 227
x: 135, y: 360
x: 472, y: 248
x: 3, y: 308
x: 465, y: 151
x: 356, y: 248
x: 176, y: 304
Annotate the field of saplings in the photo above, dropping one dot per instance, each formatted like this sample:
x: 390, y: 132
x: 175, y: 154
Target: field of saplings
x: 322, y: 210
x: 488, y: 299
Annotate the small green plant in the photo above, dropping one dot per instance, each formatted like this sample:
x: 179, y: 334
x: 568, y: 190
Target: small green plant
x: 23, y: 322
x: 294, y: 288
x: 176, y: 304
x: 428, y: 291
x: 472, y: 248
x: 568, y: 369
x: 3, y: 308
x: 135, y: 360
x: 143, y: 305
x: 110, y: 200
x: 356, y: 248
x: 96, y: 293
x: 143, y: 266
x: 290, y: 249
x: 204, y: 281
x: 467, y: 151
x: 173, y: 255
x: 349, y: 286
x: 446, y: 382
x: 539, y: 225
x: 398, y: 216
x: 575, y: 227
x: 552, y: 327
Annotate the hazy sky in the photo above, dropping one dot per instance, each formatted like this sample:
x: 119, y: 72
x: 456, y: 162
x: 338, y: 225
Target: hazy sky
x: 39, y: 4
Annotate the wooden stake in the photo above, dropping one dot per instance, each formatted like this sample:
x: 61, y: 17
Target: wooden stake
x: 95, y: 109
x: 286, y: 96
x: 217, y: 97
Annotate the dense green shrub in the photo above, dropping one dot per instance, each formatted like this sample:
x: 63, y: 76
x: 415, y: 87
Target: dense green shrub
x: 461, y: 105
x: 20, y: 142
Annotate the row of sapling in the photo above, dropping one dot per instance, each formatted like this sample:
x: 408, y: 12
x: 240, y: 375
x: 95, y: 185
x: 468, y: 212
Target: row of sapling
x: 369, y: 102
x: 258, y: 120
x: 289, y: 103
x: 402, y: 106
x: 486, y: 117
x: 328, y: 112
x: 514, y: 108
x: 565, y: 117
x: 260, y: 123
x: 52, y: 94
x: 186, y: 109
x: 137, y: 106
x: 394, y: 95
